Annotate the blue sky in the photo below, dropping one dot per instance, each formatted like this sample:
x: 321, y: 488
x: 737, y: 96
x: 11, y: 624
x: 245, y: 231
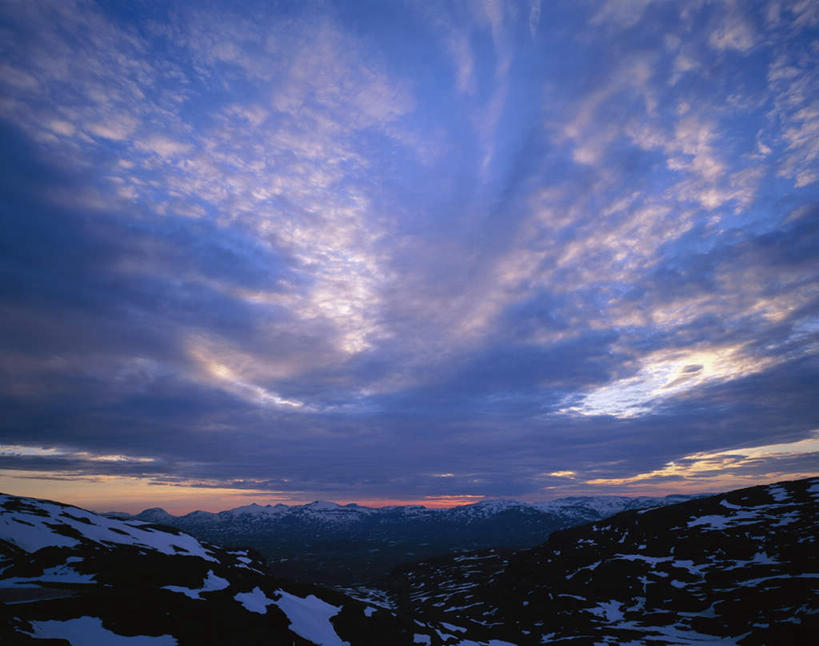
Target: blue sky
x: 407, y: 251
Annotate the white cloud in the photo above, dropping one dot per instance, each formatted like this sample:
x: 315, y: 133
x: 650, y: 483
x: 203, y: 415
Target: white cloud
x: 726, y: 465
x: 734, y: 34
x: 663, y: 375
x: 116, y: 127
x: 163, y: 146
x: 621, y: 13
x: 463, y: 60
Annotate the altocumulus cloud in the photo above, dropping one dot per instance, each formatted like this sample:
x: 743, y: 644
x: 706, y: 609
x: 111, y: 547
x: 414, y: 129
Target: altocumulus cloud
x: 396, y: 251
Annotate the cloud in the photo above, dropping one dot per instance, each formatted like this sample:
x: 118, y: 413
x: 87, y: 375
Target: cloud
x: 709, y: 469
x: 732, y: 31
x: 665, y: 374
x: 344, y: 255
x: 165, y: 147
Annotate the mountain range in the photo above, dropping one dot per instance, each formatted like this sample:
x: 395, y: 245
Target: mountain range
x: 351, y: 544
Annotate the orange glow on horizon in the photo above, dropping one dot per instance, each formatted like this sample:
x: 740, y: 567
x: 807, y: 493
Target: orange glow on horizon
x: 433, y: 502
x: 132, y: 495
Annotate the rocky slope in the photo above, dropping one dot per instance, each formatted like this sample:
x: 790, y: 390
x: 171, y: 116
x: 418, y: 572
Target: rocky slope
x: 67, y: 573
x: 740, y: 567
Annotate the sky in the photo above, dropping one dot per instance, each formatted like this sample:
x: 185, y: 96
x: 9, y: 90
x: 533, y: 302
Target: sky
x: 406, y: 251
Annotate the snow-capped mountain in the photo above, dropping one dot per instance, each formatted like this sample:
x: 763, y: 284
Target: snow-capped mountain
x: 67, y: 573
x: 735, y: 568
x: 345, y: 544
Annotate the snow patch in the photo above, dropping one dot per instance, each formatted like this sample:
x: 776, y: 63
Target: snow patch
x: 310, y: 618
x: 89, y: 631
x: 254, y: 601
x: 31, y: 531
x: 717, y: 522
x: 609, y: 610
x: 58, y: 574
x: 210, y: 584
x: 779, y: 493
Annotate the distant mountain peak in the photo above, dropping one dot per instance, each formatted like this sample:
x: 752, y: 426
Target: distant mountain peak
x: 322, y: 505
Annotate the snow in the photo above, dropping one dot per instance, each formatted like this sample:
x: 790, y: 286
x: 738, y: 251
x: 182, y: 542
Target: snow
x: 676, y: 634
x: 322, y: 505
x: 691, y: 567
x: 762, y: 558
x: 778, y: 493
x: 421, y: 639
x: 478, y: 557
x: 31, y: 537
x: 453, y: 628
x: 58, y: 574
x: 609, y: 610
x: 641, y: 557
x: 717, y: 522
x: 371, y: 596
x: 787, y: 518
x: 210, y: 584
x: 369, y: 611
x: 310, y: 618
x: 89, y: 631
x: 258, y: 510
x: 36, y: 531
x: 254, y: 601
x: 490, y: 507
x: 593, y: 566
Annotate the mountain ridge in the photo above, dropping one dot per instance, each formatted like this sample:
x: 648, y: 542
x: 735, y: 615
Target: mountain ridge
x: 349, y: 544
x: 627, y: 502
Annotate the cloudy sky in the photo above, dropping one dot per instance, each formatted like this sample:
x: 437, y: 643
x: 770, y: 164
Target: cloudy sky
x: 407, y: 250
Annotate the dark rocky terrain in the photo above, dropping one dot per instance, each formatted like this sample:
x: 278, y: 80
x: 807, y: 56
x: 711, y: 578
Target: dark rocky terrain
x: 735, y: 568
x: 65, y: 572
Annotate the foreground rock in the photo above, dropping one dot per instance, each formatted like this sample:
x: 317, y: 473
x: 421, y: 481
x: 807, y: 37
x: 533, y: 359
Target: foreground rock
x: 741, y: 567
x: 70, y: 574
